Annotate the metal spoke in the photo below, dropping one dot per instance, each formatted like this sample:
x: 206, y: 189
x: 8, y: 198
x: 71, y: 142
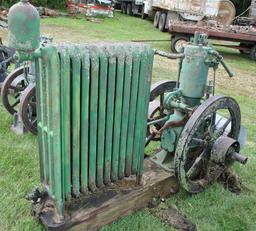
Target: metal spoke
x: 16, y: 103
x: 199, y: 142
x: 34, y: 122
x: 193, y: 170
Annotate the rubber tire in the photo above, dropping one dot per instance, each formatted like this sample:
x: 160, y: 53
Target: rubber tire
x: 129, y: 9
x: 162, y: 21
x: 244, y: 45
x: 143, y: 15
x: 156, y: 19
x: 253, y: 53
x: 174, y: 41
x: 123, y: 8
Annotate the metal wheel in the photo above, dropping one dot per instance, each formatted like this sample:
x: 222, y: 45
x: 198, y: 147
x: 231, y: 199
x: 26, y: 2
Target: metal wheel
x: 178, y: 42
x: 143, y: 15
x: 14, y: 84
x: 194, y: 156
x: 123, y: 8
x: 129, y: 9
x: 253, y: 53
x: 156, y: 19
x: 28, y: 109
x: 156, y: 109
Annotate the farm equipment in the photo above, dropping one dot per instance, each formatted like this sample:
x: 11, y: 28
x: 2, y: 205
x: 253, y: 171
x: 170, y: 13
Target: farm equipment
x: 244, y: 35
x: 18, y: 95
x: 92, y: 103
x: 6, y: 58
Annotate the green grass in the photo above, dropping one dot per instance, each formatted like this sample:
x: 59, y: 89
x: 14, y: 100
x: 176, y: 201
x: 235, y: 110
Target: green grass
x: 215, y: 209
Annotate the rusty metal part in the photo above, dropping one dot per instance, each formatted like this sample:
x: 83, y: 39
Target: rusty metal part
x: 192, y: 161
x: 169, y: 55
x: 173, y: 124
x: 226, y: 149
x: 13, y: 86
x: 156, y: 109
x: 27, y: 108
x: 231, y: 33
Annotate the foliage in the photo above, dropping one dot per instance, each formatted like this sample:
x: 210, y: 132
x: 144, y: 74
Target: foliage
x: 46, y: 3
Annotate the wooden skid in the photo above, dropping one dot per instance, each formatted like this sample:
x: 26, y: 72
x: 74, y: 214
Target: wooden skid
x: 101, y: 208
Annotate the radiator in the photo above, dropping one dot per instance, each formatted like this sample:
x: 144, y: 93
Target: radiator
x: 92, y: 114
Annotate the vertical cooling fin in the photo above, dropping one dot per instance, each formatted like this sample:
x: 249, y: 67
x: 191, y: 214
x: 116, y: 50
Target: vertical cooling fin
x: 92, y: 115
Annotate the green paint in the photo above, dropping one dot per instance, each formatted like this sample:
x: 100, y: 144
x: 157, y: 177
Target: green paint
x: 24, y: 29
x: 132, y: 112
x: 109, y: 118
x: 65, y: 121
x: 75, y: 89
x: 118, y: 114
x: 85, y: 119
x: 102, y: 117
x: 125, y: 112
x: 93, y: 122
x: 139, y: 112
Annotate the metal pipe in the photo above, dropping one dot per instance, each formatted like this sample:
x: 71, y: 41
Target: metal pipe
x: 158, y: 121
x: 169, y: 55
x: 238, y: 157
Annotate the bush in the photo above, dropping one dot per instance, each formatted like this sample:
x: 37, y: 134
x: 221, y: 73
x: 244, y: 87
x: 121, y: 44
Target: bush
x: 46, y: 3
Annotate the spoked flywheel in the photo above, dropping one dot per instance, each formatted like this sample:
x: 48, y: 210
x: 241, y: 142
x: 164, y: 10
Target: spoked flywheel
x: 14, y: 84
x: 28, y: 108
x: 207, y: 144
x: 156, y: 108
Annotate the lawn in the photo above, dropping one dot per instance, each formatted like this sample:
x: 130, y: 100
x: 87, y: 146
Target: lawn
x: 215, y: 209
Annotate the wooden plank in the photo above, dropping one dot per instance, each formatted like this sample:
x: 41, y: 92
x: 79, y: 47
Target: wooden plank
x: 91, y: 212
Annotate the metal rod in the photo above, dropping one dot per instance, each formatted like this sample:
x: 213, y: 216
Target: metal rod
x: 240, y: 158
x: 158, y: 121
x: 169, y: 55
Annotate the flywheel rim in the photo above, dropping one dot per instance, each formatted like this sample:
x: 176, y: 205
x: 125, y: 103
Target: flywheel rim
x: 213, y: 103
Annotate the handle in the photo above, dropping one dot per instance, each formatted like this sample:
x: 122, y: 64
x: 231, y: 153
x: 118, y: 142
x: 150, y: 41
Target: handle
x: 220, y: 59
x: 230, y: 73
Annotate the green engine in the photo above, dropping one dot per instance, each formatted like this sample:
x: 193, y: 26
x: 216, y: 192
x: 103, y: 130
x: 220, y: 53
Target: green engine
x: 190, y: 120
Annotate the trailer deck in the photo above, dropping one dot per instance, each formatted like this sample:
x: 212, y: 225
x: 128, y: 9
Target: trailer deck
x: 245, y: 35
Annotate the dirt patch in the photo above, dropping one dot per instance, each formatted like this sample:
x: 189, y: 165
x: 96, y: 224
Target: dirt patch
x: 172, y: 216
x: 233, y: 182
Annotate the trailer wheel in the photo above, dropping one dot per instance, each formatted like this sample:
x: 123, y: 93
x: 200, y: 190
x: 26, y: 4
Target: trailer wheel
x: 247, y: 46
x: 123, y: 8
x: 156, y: 19
x: 143, y: 15
x: 253, y: 53
x: 162, y: 21
x: 129, y: 9
x: 178, y: 42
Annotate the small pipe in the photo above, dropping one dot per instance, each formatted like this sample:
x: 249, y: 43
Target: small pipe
x: 169, y: 55
x: 238, y: 157
x: 158, y: 121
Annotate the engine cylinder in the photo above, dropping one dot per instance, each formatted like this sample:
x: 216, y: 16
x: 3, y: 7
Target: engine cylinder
x: 24, y: 28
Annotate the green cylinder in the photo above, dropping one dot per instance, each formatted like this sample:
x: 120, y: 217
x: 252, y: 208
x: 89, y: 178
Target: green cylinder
x: 24, y: 28
x: 194, y: 72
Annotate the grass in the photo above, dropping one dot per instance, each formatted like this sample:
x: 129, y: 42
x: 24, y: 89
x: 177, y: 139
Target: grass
x: 213, y: 210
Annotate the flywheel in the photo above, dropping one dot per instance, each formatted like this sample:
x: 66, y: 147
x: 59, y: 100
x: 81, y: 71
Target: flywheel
x: 215, y: 121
